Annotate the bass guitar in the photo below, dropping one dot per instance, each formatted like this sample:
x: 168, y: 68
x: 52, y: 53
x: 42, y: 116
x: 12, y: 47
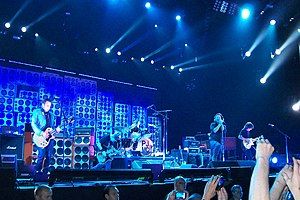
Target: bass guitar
x: 42, y: 141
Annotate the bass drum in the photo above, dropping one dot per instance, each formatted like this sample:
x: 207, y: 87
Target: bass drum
x: 145, y: 146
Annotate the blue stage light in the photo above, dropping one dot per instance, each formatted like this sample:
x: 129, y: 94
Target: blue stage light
x: 107, y: 50
x: 178, y: 17
x: 172, y: 67
x: 7, y: 25
x: 272, y: 22
x: 263, y: 80
x: 36, y: 35
x: 23, y: 29
x: 245, y: 13
x: 248, y: 54
x: 274, y: 160
x: 148, y: 5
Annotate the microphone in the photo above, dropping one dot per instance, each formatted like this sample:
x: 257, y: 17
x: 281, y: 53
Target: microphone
x: 150, y: 106
x: 272, y: 125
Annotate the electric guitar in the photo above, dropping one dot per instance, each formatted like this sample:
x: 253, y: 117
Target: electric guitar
x: 42, y: 141
x: 249, y: 142
x: 103, y: 156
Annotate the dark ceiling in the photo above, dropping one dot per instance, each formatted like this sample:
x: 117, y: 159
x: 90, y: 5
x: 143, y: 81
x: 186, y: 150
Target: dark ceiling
x: 223, y: 82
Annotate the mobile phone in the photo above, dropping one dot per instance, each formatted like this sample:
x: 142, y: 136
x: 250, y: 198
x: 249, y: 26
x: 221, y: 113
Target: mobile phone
x: 180, y: 195
x: 221, y: 183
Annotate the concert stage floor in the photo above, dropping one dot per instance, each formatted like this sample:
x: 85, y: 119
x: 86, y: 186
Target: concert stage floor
x: 132, y: 189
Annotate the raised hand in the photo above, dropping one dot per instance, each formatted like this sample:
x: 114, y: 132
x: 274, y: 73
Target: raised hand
x: 292, y: 179
x: 264, y: 149
x: 222, y: 194
x: 210, y: 187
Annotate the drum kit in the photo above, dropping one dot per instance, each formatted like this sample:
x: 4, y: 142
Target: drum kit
x: 137, y: 139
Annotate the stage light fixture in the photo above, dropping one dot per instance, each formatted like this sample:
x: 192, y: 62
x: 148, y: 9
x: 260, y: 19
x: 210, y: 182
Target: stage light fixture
x: 163, y: 66
x: 180, y: 69
x: 148, y: 5
x: 272, y: 22
x: 248, y: 54
x: 36, y: 35
x: 152, y: 62
x: 142, y: 59
x: 172, y: 67
x: 132, y: 58
x: 263, y: 80
x: 155, y: 26
x: 107, y: 50
x: 298, y: 30
x: 96, y: 49
x: 23, y: 29
x: 245, y: 13
x: 7, y: 25
x: 274, y: 160
x: 296, y: 106
x: 277, y: 51
x: 119, y: 53
x: 272, y: 55
x: 178, y: 17
x: 185, y: 44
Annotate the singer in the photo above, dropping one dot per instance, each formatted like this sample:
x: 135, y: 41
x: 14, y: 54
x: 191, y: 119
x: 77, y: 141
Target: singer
x: 217, y: 129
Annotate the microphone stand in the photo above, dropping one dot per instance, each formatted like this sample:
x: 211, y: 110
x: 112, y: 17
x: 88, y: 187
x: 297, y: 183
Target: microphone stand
x: 286, y: 142
x: 164, y: 115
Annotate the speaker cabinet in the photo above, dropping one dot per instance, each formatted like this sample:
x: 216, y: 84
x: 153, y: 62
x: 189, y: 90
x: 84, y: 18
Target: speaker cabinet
x: 12, y: 145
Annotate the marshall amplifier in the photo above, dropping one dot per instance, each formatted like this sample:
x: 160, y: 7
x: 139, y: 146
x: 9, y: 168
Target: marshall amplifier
x: 12, y: 145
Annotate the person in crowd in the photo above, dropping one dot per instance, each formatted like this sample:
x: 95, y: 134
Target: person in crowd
x: 237, y: 192
x: 179, y: 191
x: 259, y: 184
x: 111, y: 192
x: 217, y: 130
x: 43, y: 192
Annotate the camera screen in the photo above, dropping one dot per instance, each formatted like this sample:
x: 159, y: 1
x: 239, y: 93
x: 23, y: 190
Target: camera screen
x: 180, y: 195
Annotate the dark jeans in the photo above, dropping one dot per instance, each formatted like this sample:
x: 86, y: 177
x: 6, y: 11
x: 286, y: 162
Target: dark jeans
x: 248, y: 154
x: 215, y: 148
x: 44, y: 156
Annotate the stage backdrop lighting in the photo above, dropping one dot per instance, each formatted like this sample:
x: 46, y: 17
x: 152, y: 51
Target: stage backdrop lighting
x: 107, y: 50
x: 296, y: 106
x: 178, y: 17
x: 248, y: 54
x: 23, y: 29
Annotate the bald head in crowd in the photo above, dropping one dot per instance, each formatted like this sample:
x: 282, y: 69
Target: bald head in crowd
x: 43, y: 192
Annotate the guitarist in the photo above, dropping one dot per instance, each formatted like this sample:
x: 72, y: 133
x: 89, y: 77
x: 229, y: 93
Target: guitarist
x: 42, y: 123
x: 244, y: 135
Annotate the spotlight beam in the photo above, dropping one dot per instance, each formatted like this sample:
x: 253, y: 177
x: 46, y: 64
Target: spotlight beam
x: 258, y: 40
x: 204, y: 65
x: 164, y: 46
x: 290, y: 40
x: 185, y: 63
x: 136, y: 42
x: 134, y: 26
x: 20, y: 10
x: 48, y: 13
x: 169, y: 54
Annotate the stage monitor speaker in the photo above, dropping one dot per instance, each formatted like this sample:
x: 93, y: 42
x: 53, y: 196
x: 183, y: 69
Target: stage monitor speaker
x: 120, y: 163
x: 7, y: 179
x: 12, y: 145
x: 155, y: 169
x: 232, y: 163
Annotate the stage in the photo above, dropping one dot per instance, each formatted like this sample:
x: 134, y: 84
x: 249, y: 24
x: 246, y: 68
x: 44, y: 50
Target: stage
x: 133, y: 184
